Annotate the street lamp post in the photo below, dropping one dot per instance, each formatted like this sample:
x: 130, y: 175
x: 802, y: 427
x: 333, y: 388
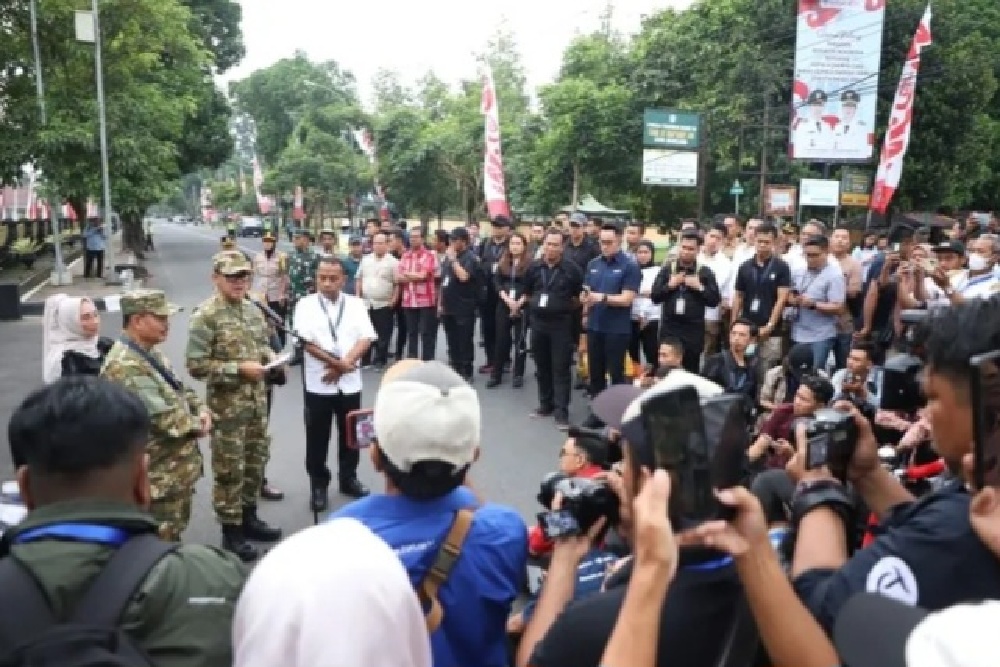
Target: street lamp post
x: 59, y: 275
x: 94, y: 35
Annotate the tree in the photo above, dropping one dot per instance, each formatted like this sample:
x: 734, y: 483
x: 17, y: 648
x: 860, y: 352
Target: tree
x: 217, y: 22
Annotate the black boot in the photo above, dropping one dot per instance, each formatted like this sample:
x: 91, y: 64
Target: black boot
x: 318, y: 499
x: 494, y: 381
x: 233, y: 540
x: 256, y: 528
x: 268, y: 492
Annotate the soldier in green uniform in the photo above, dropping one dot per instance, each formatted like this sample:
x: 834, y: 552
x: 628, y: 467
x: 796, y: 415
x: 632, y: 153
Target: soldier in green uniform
x: 302, y: 265
x: 227, y: 349
x: 231, y: 228
x: 177, y: 416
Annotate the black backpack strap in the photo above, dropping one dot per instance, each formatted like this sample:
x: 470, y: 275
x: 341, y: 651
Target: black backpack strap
x: 25, y: 611
x: 105, y: 601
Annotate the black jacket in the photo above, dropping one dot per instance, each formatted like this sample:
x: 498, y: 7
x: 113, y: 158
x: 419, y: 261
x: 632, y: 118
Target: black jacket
x: 74, y: 363
x: 695, y: 301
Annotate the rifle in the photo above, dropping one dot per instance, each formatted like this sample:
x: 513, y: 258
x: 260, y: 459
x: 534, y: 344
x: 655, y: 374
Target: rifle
x: 279, y: 323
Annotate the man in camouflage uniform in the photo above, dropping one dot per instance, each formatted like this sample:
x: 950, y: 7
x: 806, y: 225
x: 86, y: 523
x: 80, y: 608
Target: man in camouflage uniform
x: 302, y: 265
x: 227, y: 349
x: 177, y: 416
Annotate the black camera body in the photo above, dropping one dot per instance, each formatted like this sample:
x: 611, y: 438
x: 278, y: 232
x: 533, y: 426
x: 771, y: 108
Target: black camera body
x: 831, y: 437
x: 584, y: 502
x: 901, y: 389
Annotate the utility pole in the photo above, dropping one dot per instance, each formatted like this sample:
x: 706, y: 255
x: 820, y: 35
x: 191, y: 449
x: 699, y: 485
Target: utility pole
x: 702, y: 165
x: 762, y: 207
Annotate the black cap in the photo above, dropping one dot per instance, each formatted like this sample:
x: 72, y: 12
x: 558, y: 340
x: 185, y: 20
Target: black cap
x: 609, y: 406
x: 800, y: 360
x: 501, y: 221
x: 872, y: 630
x: 817, y: 97
x: 850, y: 97
x: 956, y: 247
x: 460, y: 234
x: 901, y: 233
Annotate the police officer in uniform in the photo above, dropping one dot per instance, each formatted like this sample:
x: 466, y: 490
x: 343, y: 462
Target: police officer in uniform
x: 302, y: 265
x: 851, y: 132
x: 327, y: 243
x: 811, y: 131
x: 227, y: 349
x: 178, y: 417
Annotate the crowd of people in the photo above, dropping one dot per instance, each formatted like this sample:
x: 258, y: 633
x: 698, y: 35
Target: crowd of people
x: 789, y: 320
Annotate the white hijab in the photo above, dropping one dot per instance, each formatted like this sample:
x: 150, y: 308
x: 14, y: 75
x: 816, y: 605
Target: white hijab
x: 333, y: 595
x: 63, y: 333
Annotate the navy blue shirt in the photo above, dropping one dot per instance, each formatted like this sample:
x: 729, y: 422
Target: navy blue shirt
x: 476, y: 598
x: 612, y: 275
x: 926, y: 555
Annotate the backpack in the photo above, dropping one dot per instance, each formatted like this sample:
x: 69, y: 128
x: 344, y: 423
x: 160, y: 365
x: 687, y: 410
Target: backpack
x: 31, y: 635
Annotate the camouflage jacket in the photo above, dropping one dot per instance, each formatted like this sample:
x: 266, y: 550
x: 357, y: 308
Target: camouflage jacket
x: 301, y: 268
x: 174, y: 456
x: 222, y: 335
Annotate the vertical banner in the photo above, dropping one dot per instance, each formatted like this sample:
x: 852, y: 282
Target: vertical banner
x: 263, y: 203
x: 299, y: 210
x: 835, y: 90
x: 897, y: 137
x: 494, y: 186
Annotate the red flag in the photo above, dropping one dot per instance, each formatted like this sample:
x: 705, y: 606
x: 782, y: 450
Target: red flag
x: 494, y: 186
x: 897, y: 137
x: 299, y: 212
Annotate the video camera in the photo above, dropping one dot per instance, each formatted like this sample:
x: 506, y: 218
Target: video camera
x: 831, y: 438
x: 901, y: 389
x: 584, y: 501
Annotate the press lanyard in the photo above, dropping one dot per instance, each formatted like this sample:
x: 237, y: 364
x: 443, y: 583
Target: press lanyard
x: 551, y: 273
x: 340, y: 314
x: 76, y: 532
x: 762, y: 271
x: 975, y: 281
x: 710, y: 565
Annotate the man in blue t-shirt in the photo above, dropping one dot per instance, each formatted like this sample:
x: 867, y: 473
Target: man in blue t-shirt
x: 427, y: 424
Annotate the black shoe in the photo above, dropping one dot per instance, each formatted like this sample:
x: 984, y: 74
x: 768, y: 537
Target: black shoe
x: 268, y: 492
x: 255, y: 528
x: 318, y: 499
x: 492, y: 383
x: 353, y: 488
x: 517, y: 382
x: 235, y: 541
x: 562, y: 423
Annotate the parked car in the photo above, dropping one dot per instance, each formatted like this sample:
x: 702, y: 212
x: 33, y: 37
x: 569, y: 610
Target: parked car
x: 251, y: 227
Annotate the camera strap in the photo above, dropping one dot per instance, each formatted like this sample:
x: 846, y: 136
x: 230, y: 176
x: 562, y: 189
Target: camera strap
x: 444, y: 562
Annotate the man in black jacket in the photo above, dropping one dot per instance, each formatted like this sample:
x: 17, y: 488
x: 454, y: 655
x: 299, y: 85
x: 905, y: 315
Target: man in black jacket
x: 490, y: 252
x: 685, y: 288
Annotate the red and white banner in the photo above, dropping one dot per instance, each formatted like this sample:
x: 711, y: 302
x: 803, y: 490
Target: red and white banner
x: 67, y: 213
x: 93, y: 210
x: 494, y: 185
x: 31, y: 207
x: 299, y: 210
x: 897, y: 137
x: 365, y: 142
x: 264, y: 203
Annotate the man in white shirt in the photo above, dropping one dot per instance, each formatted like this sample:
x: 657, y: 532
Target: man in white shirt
x: 979, y: 282
x: 746, y: 250
x: 339, y: 332
x: 375, y: 283
x: 713, y: 257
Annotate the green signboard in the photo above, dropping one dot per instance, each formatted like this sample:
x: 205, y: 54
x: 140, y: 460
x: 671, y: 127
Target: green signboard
x: 855, y: 187
x: 670, y: 128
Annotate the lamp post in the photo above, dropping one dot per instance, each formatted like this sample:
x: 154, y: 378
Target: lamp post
x: 60, y: 276
x: 88, y: 29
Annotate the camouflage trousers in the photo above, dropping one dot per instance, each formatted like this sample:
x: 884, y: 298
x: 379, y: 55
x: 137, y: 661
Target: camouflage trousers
x: 173, y: 514
x: 173, y: 472
x: 240, y: 450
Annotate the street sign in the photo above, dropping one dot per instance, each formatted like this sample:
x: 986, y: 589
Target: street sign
x: 736, y: 190
x: 670, y: 128
x: 672, y: 168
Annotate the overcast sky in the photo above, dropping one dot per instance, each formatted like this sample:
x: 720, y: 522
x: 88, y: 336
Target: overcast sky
x: 415, y: 36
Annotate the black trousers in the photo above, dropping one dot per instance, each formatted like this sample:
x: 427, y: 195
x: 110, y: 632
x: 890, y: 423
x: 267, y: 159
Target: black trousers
x: 281, y: 310
x: 382, y: 320
x: 509, y: 332
x: 606, y: 357
x: 645, y: 343
x: 552, y: 346
x: 399, y: 316
x: 320, y: 412
x: 90, y: 259
x: 488, y: 327
x: 459, y: 329
x: 422, y: 332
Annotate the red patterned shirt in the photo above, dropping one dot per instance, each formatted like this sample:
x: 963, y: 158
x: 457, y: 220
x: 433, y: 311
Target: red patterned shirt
x: 420, y: 294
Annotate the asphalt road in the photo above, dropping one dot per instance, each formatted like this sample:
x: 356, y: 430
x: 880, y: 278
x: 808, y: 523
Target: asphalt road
x: 517, y: 450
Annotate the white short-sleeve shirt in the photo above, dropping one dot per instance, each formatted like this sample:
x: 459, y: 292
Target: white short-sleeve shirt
x: 316, y: 319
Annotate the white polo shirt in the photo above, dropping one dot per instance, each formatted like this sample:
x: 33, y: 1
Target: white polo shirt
x: 725, y: 275
x: 316, y: 320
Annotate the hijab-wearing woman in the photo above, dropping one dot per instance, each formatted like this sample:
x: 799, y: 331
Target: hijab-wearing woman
x: 645, y: 314
x: 330, y: 596
x: 73, y: 345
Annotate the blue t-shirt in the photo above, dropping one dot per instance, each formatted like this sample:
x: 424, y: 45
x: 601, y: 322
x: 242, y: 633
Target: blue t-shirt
x: 477, y: 597
x: 612, y: 275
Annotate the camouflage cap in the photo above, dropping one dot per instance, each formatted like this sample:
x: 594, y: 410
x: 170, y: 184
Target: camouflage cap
x: 268, y: 236
x: 229, y: 263
x: 142, y: 301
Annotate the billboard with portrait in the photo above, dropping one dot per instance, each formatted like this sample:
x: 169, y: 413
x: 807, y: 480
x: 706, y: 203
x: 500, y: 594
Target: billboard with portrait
x: 834, y: 94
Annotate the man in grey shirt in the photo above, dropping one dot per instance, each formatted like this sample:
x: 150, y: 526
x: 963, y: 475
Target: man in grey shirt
x: 817, y: 299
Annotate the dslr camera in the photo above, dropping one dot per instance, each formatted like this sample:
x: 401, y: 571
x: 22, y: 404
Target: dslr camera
x: 831, y: 437
x: 584, y: 501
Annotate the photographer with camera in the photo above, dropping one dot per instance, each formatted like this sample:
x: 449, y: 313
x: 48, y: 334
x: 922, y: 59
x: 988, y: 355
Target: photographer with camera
x: 926, y: 552
x: 861, y: 379
x: 701, y: 606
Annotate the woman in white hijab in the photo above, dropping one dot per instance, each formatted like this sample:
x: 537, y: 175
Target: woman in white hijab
x: 72, y: 342
x: 333, y: 595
